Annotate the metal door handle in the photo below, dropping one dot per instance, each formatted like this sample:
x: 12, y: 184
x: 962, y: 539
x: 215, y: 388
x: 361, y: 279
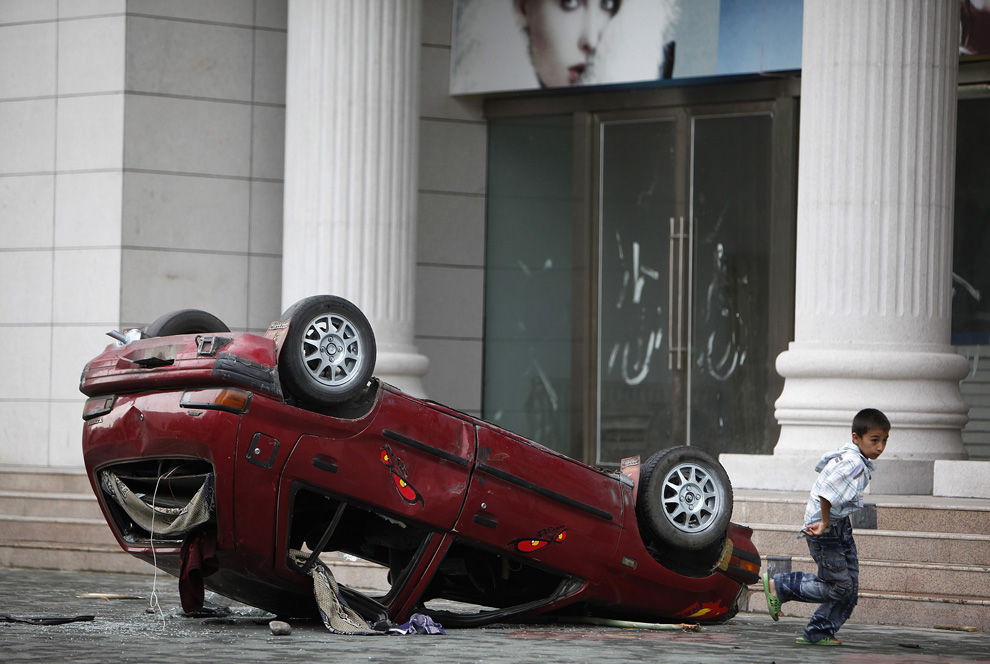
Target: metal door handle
x: 674, y: 322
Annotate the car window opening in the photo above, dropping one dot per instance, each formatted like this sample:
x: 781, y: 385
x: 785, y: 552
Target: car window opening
x: 160, y: 499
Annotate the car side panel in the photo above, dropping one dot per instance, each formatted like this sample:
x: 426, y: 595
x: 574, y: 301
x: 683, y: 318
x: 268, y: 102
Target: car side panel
x: 537, y: 504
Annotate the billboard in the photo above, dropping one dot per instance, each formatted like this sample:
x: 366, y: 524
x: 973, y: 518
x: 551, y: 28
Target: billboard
x: 512, y: 45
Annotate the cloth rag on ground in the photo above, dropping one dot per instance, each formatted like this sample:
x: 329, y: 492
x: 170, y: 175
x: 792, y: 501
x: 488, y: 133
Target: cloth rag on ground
x: 197, y: 560
x: 418, y: 624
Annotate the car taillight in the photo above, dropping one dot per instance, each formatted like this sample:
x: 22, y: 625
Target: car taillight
x: 96, y: 406
x: 221, y: 398
x: 739, y: 564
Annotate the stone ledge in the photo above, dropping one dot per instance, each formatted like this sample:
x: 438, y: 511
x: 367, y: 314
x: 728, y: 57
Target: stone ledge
x: 797, y: 473
x: 961, y: 479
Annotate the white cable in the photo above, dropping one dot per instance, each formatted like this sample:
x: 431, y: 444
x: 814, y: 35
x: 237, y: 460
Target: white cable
x: 153, y: 600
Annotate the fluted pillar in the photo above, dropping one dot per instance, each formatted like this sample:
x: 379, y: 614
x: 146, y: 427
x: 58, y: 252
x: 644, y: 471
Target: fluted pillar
x: 874, y: 244
x: 874, y: 238
x: 352, y: 114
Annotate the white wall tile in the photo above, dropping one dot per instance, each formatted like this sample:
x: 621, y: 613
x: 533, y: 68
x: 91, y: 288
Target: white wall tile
x: 65, y: 434
x: 452, y: 156
x: 27, y: 60
x: 188, y: 136
x: 455, y: 370
x: 16, y: 11
x: 27, y: 205
x: 269, y: 66
x: 72, y: 347
x: 26, y: 375
x: 268, y: 137
x: 86, y: 286
x: 235, y: 12
x: 82, y: 8
x: 449, y: 302
x: 434, y: 84
x: 271, y: 13
x: 157, y: 282
x: 264, y: 291
x: 27, y: 142
x: 437, y: 21
x: 90, y: 132
x: 185, y: 212
x: 451, y: 229
x: 267, y: 200
x: 24, y: 429
x: 26, y: 287
x: 87, y: 209
x: 188, y: 59
x: 91, y: 55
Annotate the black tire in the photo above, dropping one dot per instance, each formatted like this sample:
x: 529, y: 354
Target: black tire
x: 185, y: 321
x: 685, y: 499
x: 329, y: 351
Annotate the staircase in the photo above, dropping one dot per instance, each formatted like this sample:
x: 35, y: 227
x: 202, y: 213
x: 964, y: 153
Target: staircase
x: 49, y: 519
x: 924, y: 561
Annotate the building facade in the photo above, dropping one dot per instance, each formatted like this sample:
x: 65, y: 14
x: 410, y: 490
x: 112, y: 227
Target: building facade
x: 608, y: 269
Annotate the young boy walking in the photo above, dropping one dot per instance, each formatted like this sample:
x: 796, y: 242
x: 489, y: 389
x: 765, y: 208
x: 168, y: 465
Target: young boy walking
x: 838, y: 492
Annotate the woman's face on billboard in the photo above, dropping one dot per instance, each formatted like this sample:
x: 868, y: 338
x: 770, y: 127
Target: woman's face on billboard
x: 563, y: 35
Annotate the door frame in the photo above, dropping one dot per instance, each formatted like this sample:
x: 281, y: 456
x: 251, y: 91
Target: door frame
x: 780, y: 94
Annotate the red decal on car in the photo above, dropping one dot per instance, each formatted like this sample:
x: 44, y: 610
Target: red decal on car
x: 406, y: 490
x: 544, y: 538
x: 703, y: 610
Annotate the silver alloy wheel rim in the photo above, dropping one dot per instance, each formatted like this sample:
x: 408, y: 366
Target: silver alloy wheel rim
x: 691, y: 498
x: 332, y: 350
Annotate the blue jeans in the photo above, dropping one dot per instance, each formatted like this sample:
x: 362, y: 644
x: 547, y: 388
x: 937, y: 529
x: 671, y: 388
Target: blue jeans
x: 836, y: 587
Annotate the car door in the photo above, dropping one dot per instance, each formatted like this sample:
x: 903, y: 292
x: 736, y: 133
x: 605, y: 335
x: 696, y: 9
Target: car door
x: 538, y: 504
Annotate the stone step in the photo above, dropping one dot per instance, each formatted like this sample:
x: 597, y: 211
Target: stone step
x: 905, y: 513
x: 902, y: 546
x: 899, y: 577
x: 71, y: 557
x: 57, y: 530
x: 44, y: 479
x: 914, y: 610
x: 30, y: 503
x: 356, y: 573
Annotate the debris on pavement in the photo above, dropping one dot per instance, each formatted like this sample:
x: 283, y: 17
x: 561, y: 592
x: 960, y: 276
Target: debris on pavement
x: 418, y: 624
x: 280, y: 628
x: 44, y: 620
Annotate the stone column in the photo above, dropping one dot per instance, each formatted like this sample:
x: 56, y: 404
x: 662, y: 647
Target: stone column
x: 351, y: 159
x: 874, y: 238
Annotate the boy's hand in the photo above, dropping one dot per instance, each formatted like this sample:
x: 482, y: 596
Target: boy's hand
x: 815, y: 529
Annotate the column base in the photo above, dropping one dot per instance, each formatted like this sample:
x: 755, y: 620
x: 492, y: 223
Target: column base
x: 917, y: 390
x: 403, y: 370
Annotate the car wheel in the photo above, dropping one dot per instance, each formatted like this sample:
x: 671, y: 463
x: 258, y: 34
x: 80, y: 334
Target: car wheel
x: 329, y: 351
x: 685, y: 498
x: 185, y: 321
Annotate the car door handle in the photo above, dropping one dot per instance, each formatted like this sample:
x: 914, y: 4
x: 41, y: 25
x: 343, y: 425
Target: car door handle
x: 485, y: 520
x: 326, y: 463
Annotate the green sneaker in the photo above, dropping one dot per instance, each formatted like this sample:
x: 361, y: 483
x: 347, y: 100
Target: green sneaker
x: 773, y: 603
x: 827, y: 641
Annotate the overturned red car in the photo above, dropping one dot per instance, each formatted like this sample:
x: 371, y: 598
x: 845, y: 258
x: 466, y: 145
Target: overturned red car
x: 238, y: 460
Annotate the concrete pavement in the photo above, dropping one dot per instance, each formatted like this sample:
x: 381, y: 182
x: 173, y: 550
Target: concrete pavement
x: 123, y: 630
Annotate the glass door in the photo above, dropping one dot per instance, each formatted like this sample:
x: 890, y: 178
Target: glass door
x: 684, y: 207
x: 639, y: 385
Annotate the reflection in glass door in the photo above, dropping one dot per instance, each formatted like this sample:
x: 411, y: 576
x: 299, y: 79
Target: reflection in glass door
x: 684, y: 218
x: 636, y: 385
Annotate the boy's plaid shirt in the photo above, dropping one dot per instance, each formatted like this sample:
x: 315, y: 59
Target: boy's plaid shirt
x: 842, y: 478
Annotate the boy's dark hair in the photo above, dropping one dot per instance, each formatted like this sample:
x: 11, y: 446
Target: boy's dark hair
x: 869, y: 418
